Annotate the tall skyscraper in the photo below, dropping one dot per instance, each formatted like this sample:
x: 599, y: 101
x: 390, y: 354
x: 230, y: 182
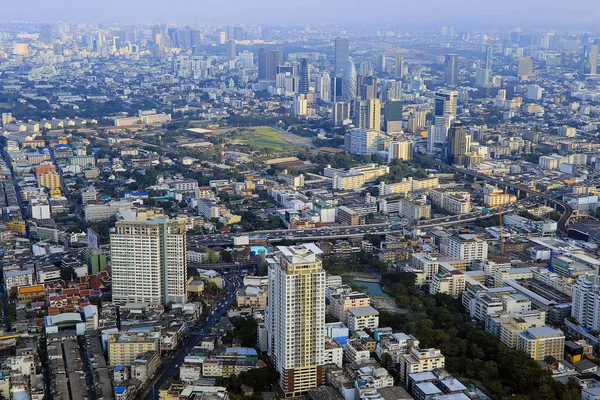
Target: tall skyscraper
x: 231, y: 49
x: 323, y: 86
x: 525, y: 67
x: 238, y: 33
x: 361, y: 110
x: 148, y: 261
x: 342, y: 52
x: 295, y: 319
x: 399, y: 66
x: 459, y: 142
x: 368, y: 87
x: 446, y: 102
x: 451, y: 69
x: 349, y: 82
x: 589, y: 60
x: 489, y: 56
x: 267, y: 64
x: 393, y: 116
x: 46, y: 35
x: 382, y: 64
x: 304, y: 78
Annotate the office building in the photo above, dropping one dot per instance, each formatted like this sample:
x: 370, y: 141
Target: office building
x: 382, y: 64
x: 361, y: 109
x: 148, y: 261
x: 323, y: 86
x: 589, y: 60
x: 489, y: 55
x: 304, y: 77
x: 446, y: 102
x: 342, y: 46
x: 451, y: 69
x: 231, y: 50
x: 399, y: 66
x: 525, y: 67
x: 340, y: 113
x: 238, y: 33
x: 482, y: 77
x: 459, y: 143
x: 373, y: 114
x: 268, y: 60
x: 349, y: 82
x: 295, y: 318
x: 393, y: 116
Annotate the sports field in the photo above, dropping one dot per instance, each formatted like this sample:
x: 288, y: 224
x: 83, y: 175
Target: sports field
x: 263, y: 136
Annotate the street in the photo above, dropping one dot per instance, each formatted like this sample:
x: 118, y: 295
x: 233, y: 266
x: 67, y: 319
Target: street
x: 172, y: 363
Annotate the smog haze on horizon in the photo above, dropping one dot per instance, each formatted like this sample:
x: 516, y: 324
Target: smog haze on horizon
x: 538, y: 13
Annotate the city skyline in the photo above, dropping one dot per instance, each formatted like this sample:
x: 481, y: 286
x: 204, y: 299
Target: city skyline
x: 533, y: 13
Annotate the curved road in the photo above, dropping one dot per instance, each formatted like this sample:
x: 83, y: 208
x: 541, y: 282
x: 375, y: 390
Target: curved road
x: 567, y: 210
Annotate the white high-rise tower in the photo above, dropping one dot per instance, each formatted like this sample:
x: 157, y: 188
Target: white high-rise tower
x: 295, y: 318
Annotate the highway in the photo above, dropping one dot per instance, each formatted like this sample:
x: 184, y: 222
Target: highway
x: 214, y: 315
x: 567, y: 210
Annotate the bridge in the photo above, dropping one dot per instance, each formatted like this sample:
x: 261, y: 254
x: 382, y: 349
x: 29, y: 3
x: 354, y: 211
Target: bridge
x: 563, y: 222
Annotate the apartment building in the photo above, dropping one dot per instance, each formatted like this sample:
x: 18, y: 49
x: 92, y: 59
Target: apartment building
x: 540, y: 343
x: 125, y: 347
x: 148, y: 260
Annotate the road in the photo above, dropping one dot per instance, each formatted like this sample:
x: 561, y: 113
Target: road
x: 567, y: 210
x: 215, y: 313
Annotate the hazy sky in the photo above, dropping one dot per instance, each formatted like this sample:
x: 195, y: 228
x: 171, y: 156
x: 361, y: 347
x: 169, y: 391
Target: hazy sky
x: 545, y: 13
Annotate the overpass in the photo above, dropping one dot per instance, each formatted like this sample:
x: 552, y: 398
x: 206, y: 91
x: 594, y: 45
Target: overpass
x: 563, y: 222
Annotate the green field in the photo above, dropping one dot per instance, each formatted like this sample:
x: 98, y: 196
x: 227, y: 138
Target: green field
x: 262, y: 136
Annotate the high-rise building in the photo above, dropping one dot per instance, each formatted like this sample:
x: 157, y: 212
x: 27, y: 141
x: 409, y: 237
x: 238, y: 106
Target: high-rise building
x: 489, y: 56
x: 417, y: 121
x: 246, y: 58
x: 459, y: 142
x: 589, y: 60
x: 267, y: 64
x: 304, y: 77
x: 231, y: 49
x: 222, y: 37
x: 148, y: 261
x: 238, y: 33
x: 525, y: 67
x: 393, y: 90
x: 438, y: 131
x: 373, y: 114
x: 342, y: 52
x: 482, y: 77
x: 295, y: 319
x: 393, y: 116
x: 400, y: 150
x: 585, y: 307
x: 368, y: 87
x: 382, y: 64
x: 46, y: 35
x: 349, y: 82
x: 362, y: 142
x: 340, y: 113
x: 399, y: 66
x: 360, y: 114
x: 451, y: 69
x: 300, y: 105
x: 323, y: 86
x: 446, y: 102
